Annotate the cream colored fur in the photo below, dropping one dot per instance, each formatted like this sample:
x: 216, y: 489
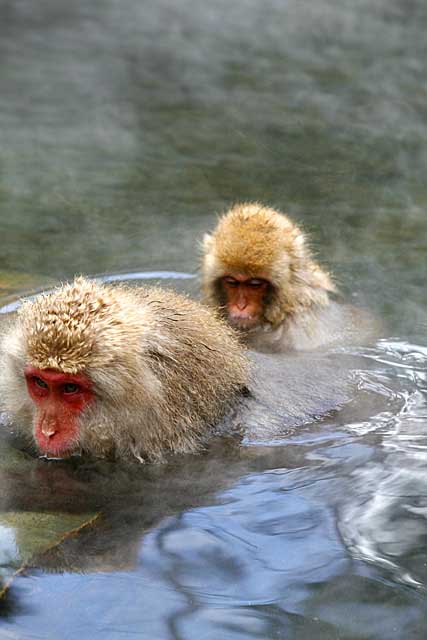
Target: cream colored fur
x: 164, y: 368
x: 261, y: 242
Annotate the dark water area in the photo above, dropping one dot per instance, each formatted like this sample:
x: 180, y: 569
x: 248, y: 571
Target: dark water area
x: 125, y: 128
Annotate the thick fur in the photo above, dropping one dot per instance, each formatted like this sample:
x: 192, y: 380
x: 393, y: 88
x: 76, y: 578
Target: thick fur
x: 260, y: 242
x: 164, y: 368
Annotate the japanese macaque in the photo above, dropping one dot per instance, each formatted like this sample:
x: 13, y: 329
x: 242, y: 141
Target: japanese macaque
x: 120, y: 372
x: 259, y: 271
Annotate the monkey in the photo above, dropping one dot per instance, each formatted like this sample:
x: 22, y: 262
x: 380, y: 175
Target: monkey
x: 259, y: 272
x: 118, y: 372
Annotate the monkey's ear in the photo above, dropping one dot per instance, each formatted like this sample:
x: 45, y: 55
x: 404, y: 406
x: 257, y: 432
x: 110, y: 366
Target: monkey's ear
x: 207, y: 242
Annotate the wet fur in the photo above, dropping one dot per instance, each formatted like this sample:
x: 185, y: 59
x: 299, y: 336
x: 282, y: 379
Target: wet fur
x: 165, y: 369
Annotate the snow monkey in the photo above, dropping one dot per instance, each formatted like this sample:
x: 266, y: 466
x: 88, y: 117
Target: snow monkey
x: 259, y: 271
x: 115, y: 371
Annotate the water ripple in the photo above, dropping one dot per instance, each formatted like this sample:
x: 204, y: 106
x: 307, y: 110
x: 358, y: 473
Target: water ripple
x: 384, y: 519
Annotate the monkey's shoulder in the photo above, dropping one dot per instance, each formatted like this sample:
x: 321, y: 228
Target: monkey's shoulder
x: 331, y: 326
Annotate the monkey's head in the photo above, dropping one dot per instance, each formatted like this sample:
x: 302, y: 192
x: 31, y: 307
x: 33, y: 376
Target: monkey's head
x: 64, y: 347
x: 258, y: 269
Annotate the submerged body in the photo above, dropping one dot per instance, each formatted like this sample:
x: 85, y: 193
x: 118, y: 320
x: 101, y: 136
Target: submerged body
x: 292, y: 391
x: 259, y: 272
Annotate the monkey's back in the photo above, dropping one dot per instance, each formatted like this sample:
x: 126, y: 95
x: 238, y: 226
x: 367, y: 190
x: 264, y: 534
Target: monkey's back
x: 197, y: 356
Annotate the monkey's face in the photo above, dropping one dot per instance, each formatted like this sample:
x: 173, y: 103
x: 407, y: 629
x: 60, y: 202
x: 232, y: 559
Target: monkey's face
x: 59, y: 399
x: 245, y: 300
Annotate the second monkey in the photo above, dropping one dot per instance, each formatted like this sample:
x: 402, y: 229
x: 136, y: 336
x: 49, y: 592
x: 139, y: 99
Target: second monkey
x: 259, y: 271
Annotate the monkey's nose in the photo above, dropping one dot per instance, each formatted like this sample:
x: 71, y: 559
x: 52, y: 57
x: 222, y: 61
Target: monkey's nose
x: 241, y: 304
x: 48, y: 431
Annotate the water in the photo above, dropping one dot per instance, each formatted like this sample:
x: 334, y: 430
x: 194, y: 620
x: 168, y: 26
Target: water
x: 124, y: 129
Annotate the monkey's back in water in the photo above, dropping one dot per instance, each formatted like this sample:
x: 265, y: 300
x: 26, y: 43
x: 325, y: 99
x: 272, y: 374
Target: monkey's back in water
x: 288, y: 391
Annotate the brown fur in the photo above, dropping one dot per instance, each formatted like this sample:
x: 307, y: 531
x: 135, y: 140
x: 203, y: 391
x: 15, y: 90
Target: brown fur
x: 260, y: 242
x: 164, y: 368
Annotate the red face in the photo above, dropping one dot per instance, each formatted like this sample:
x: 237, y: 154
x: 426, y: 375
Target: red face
x: 59, y: 399
x: 245, y: 299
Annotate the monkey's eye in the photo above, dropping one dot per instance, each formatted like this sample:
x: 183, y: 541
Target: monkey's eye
x: 70, y: 387
x: 231, y: 282
x: 255, y: 283
x: 39, y: 382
